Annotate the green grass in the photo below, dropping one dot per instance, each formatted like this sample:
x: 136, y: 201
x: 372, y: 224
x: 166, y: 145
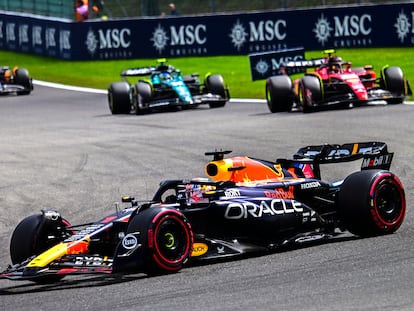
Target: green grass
x: 235, y: 69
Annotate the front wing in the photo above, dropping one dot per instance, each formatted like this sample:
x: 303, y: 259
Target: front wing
x: 175, y: 101
x: 68, y: 265
x: 6, y: 89
x: 374, y: 96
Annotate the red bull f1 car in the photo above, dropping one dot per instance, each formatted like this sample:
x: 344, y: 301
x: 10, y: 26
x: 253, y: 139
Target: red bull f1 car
x: 245, y: 205
x: 334, y: 82
x: 165, y: 87
x: 15, y: 81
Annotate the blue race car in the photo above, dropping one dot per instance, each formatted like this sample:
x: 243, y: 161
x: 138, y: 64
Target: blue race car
x: 165, y: 87
x: 246, y: 205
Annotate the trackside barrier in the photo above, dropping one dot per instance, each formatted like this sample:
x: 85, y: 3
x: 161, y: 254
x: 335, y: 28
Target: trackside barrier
x: 388, y: 25
x: 267, y: 64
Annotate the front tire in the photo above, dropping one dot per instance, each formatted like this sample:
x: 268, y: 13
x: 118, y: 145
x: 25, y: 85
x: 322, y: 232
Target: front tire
x: 215, y: 85
x: 279, y: 93
x: 119, y: 99
x: 310, y: 93
x: 143, y: 94
x: 166, y: 238
x: 34, y: 235
x: 394, y: 82
x: 372, y: 203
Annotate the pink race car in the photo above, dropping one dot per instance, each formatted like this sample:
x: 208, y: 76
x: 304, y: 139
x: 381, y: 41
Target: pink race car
x: 334, y: 82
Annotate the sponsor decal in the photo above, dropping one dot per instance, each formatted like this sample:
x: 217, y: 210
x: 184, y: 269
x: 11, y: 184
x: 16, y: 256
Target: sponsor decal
x: 11, y: 35
x: 109, y: 43
x: 403, y: 25
x: 345, y: 30
x: 51, y: 215
x: 187, y: 39
x: 91, y: 261
x: 220, y: 250
x: 261, y: 67
x: 37, y: 36
x: 310, y: 238
x: 377, y: 161
x: 23, y: 34
x: 309, y: 216
x: 137, y: 71
x: 232, y: 193
x: 280, y: 193
x: 238, y: 35
x: 199, y: 249
x: 91, y: 42
x: 263, y: 35
x: 272, y: 208
x: 64, y: 39
x: 90, y: 230
x: 129, y: 241
x: 310, y: 185
x: 159, y: 39
x: 322, y: 30
x: 64, y: 44
x: 50, y: 38
x: 267, y: 64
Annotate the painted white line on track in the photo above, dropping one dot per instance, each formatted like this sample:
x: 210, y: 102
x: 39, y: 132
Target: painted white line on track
x: 99, y: 91
x: 68, y: 87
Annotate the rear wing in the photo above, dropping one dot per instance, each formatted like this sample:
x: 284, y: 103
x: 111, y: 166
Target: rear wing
x: 375, y: 155
x: 145, y: 71
x: 303, y: 64
x: 137, y: 72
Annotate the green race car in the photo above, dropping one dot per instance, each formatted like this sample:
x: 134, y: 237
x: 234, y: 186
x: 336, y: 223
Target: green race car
x: 164, y: 87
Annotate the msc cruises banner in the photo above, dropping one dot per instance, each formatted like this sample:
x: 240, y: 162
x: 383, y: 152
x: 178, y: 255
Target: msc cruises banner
x: 390, y: 25
x: 267, y: 64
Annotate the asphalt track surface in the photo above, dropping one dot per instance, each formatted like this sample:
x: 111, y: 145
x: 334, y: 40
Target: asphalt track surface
x: 63, y: 150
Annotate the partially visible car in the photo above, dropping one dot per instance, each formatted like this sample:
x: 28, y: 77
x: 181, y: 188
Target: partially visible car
x: 163, y: 86
x: 334, y: 82
x: 15, y: 81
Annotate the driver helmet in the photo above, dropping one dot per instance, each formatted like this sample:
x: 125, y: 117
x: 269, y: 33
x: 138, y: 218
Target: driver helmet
x: 195, y: 193
x: 334, y: 59
x: 165, y: 76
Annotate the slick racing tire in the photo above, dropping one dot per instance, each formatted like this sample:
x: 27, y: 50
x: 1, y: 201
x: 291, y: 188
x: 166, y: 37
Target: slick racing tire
x: 371, y: 203
x: 310, y: 92
x: 394, y: 82
x: 166, y: 238
x: 22, y: 77
x: 143, y: 94
x: 215, y: 85
x: 119, y: 100
x: 279, y: 93
x: 34, y: 235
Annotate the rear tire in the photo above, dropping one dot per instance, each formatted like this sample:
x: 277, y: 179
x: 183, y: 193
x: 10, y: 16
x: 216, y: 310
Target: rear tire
x: 166, y: 237
x: 22, y: 78
x: 215, y: 85
x: 279, y: 93
x: 119, y: 99
x: 371, y: 203
x: 310, y: 93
